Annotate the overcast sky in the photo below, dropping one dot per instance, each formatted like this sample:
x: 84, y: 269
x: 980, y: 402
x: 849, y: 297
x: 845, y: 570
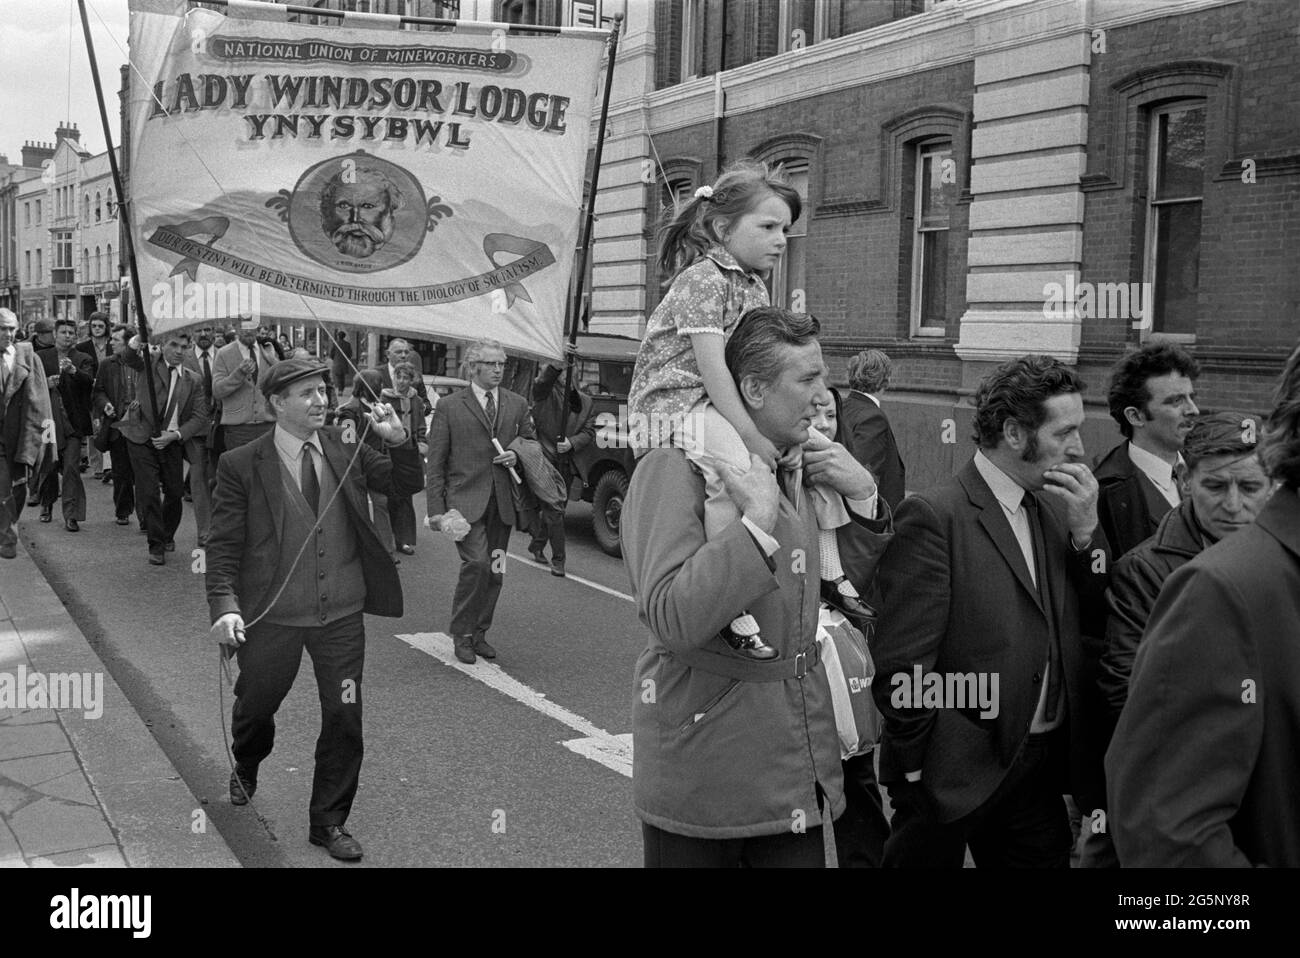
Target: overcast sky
x: 43, y: 81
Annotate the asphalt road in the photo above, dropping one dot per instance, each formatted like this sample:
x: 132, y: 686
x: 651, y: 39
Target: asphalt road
x: 457, y: 772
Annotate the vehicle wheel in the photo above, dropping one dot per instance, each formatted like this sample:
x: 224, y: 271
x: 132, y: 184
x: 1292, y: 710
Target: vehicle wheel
x: 607, y: 511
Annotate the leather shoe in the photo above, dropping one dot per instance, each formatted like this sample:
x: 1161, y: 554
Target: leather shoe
x: 752, y: 646
x: 406, y: 550
x: 46, y: 515
x: 169, y: 545
x: 336, y: 841
x: 557, y: 567
x: 539, y: 555
x: 854, y: 609
x: 157, y: 558
x: 8, y: 552
x: 464, y: 648
x: 123, y: 520
x: 482, y: 648
x: 241, y: 775
x: 71, y: 525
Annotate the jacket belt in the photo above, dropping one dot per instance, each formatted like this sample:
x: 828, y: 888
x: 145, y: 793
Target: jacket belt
x: 752, y: 670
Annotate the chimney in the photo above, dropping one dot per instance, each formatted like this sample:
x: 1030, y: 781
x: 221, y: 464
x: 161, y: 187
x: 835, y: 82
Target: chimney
x: 35, y: 154
x: 67, y: 132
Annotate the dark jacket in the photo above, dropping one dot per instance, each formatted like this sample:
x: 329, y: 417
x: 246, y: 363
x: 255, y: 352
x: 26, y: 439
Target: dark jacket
x: 247, y: 555
x: 1135, y: 584
x: 461, y: 473
x: 87, y: 346
x: 1129, y: 505
x: 957, y: 597
x: 553, y: 421
x: 191, y: 405
x: 869, y: 437
x: 1202, y: 771
x: 70, y: 400
x: 24, y: 410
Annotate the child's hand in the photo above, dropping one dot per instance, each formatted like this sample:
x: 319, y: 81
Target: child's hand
x: 759, y: 445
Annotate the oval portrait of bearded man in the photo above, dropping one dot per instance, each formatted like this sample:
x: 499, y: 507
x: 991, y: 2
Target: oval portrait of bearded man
x: 358, y: 214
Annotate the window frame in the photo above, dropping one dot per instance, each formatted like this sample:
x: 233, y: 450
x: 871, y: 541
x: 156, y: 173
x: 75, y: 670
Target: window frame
x: 779, y: 281
x: 1152, y: 207
x: 926, y: 148
x: 785, y: 18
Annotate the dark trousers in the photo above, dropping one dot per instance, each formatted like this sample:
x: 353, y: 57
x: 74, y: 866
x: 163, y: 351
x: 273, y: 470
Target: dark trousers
x: 268, y: 664
x: 1023, y: 824
x: 548, y: 526
x: 235, y: 436
x: 158, y: 469
x: 123, y: 479
x: 73, y: 491
x: 482, y: 565
x: 401, y: 516
x: 787, y: 850
x: 861, y: 832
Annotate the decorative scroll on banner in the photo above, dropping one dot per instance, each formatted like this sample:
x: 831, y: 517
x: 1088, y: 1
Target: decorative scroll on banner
x: 427, y: 182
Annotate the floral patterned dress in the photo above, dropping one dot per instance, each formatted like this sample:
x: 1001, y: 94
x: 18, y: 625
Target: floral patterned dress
x: 709, y: 296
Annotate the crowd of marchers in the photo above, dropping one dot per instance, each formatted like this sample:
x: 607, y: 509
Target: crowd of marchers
x: 1138, y: 608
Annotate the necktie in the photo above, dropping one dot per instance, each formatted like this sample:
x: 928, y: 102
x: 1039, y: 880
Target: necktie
x: 207, y: 375
x: 169, y: 413
x: 310, y: 483
x: 257, y: 360
x: 1030, y: 504
x: 490, y: 407
x: 1180, y: 477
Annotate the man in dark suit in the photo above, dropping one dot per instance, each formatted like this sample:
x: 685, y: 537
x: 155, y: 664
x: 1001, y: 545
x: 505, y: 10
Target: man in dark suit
x: 235, y: 375
x: 985, y: 581
x: 71, y: 375
x: 1152, y: 397
x: 470, y: 474
x: 114, y: 390
x: 200, y: 359
x: 156, y: 443
x: 865, y: 427
x: 24, y: 412
x: 270, y: 598
x: 563, y: 428
x: 400, y: 351
x: 1202, y: 769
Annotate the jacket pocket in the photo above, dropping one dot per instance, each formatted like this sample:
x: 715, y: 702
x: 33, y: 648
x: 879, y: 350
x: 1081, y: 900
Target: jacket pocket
x: 709, y: 707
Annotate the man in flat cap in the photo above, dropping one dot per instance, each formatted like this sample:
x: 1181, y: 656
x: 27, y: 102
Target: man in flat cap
x: 294, y: 561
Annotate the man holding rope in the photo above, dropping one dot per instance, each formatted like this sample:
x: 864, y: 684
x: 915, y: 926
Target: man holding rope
x: 293, y: 560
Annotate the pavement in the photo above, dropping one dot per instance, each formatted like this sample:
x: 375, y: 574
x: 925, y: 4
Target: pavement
x: 84, y: 784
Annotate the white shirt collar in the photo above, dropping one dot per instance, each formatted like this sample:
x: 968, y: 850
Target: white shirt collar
x: 290, y: 445
x: 1156, y: 469
x: 198, y: 351
x: 1007, y: 491
x: 481, y: 394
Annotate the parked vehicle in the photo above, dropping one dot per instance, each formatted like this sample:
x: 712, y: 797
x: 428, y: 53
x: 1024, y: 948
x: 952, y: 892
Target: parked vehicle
x: 604, y: 372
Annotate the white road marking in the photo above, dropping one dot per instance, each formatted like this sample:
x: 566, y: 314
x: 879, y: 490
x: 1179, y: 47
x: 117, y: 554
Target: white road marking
x: 612, y: 751
x: 575, y: 578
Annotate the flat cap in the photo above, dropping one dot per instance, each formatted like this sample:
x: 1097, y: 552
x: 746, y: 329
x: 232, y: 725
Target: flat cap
x: 288, y: 372
x: 43, y: 326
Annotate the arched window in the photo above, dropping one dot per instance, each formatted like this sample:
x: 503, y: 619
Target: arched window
x: 85, y: 208
x: 85, y: 265
x: 99, y: 208
x: 99, y: 264
x: 112, y: 207
x: 112, y: 270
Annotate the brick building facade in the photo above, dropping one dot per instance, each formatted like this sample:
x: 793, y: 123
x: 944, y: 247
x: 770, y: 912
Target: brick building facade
x: 964, y: 160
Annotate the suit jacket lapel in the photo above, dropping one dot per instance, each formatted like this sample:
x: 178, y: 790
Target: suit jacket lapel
x: 995, y: 523
x: 476, y: 408
x: 267, y: 463
x: 18, y: 376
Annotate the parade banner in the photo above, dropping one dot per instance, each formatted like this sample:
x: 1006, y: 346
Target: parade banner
x: 420, y: 181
